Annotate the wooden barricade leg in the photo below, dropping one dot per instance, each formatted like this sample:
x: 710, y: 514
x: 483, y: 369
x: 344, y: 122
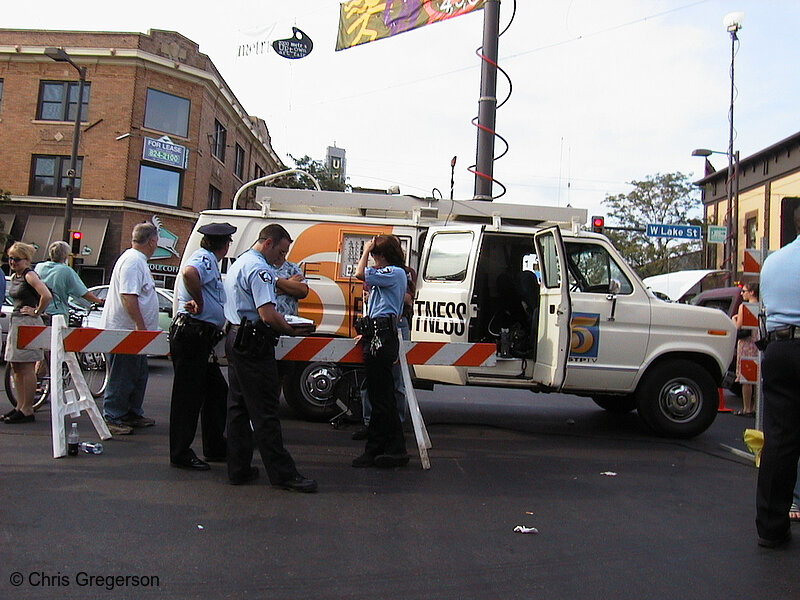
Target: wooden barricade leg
x: 64, y: 402
x: 420, y: 432
x: 57, y: 404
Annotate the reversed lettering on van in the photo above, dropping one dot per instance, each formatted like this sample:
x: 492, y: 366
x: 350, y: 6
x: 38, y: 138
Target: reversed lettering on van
x: 447, y: 318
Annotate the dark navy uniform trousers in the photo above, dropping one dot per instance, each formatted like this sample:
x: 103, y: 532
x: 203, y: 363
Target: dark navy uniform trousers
x: 253, y: 397
x: 777, y: 474
x: 198, y: 391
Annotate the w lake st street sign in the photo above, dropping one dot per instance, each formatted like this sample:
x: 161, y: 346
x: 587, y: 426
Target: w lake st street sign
x: 684, y: 232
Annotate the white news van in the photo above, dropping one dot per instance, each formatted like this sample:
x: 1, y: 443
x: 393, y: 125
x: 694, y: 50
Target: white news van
x: 585, y: 325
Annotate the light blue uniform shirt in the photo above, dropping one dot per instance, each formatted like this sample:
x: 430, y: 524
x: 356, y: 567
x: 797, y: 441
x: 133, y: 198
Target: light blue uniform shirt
x: 284, y: 303
x: 250, y: 283
x: 211, y: 287
x: 780, y: 286
x: 387, y: 286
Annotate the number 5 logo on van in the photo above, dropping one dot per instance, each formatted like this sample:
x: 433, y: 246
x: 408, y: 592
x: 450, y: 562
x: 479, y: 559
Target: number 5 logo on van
x: 585, y: 339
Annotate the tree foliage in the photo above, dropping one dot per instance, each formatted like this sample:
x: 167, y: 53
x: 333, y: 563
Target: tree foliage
x: 668, y: 198
x: 319, y: 170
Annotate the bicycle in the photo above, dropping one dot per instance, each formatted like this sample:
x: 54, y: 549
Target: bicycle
x: 93, y: 366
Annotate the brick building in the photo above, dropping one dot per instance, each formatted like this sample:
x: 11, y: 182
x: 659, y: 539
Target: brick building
x: 769, y: 190
x: 162, y: 138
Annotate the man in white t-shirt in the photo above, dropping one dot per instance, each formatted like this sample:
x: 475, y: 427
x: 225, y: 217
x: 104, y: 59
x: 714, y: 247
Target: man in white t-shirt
x: 131, y: 303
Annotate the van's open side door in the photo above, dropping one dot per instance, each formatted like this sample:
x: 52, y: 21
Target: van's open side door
x: 555, y: 310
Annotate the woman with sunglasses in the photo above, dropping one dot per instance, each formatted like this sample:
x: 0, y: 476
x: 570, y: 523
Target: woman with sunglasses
x: 746, y: 348
x: 30, y: 297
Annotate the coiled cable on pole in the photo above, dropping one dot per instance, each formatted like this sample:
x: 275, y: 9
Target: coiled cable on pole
x: 474, y: 169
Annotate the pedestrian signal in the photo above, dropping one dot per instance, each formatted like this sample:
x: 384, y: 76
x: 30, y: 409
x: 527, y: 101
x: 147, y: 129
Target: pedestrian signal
x: 76, y: 237
x: 598, y: 223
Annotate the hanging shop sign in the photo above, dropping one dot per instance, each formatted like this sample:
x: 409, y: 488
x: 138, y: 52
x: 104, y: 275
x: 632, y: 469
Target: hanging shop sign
x: 297, y: 46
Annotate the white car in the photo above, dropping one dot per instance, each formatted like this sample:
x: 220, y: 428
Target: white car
x: 164, y: 307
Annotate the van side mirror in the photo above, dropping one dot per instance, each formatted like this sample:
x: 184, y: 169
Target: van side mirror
x: 614, y: 286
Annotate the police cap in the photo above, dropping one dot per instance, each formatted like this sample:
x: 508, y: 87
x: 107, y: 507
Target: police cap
x: 217, y: 229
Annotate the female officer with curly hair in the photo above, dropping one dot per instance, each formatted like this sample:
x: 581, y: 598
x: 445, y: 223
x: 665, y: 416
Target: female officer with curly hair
x: 386, y: 445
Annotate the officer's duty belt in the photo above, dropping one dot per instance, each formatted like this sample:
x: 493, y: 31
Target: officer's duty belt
x: 789, y: 332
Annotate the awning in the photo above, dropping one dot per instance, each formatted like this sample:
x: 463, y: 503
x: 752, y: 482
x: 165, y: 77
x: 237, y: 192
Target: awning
x: 42, y: 231
x: 8, y: 222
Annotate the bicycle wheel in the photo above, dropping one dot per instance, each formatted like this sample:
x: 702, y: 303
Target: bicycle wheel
x: 95, y: 371
x: 42, y: 385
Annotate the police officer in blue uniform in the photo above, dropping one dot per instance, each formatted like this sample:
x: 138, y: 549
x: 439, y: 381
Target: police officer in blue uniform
x: 199, y: 389
x: 780, y: 367
x: 253, y: 329
x: 386, y: 445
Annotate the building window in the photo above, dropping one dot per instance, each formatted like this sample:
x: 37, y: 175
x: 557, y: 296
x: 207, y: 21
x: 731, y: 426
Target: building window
x: 49, y: 176
x: 167, y: 113
x: 214, y: 198
x: 750, y: 228
x: 218, y: 141
x: 238, y: 165
x: 1, y: 93
x: 258, y: 172
x: 159, y: 185
x: 58, y: 101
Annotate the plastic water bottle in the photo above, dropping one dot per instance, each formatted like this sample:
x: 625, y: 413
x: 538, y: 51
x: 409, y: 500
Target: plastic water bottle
x: 90, y: 448
x: 73, y: 439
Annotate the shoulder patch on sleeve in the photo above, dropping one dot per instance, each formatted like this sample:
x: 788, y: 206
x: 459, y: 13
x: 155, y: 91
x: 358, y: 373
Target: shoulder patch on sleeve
x: 206, y: 262
x: 265, y: 275
x: 385, y: 269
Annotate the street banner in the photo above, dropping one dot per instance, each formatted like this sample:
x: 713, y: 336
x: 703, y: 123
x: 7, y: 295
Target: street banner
x: 362, y: 21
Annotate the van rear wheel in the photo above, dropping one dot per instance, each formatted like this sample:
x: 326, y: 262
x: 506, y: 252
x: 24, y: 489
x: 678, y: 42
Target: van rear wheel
x: 677, y: 398
x: 319, y: 391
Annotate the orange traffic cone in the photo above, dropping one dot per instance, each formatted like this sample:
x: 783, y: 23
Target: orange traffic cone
x: 721, y: 406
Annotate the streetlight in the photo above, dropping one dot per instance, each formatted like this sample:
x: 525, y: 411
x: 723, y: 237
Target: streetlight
x: 733, y: 23
x: 60, y: 55
x: 731, y: 214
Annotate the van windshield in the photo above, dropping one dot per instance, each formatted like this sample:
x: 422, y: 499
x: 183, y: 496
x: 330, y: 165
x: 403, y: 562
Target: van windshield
x: 591, y: 269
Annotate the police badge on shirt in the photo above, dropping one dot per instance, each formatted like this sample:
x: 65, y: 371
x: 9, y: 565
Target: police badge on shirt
x: 265, y: 275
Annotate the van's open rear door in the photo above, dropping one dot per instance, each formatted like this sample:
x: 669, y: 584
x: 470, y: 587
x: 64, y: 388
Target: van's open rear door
x: 555, y: 310
x: 443, y: 305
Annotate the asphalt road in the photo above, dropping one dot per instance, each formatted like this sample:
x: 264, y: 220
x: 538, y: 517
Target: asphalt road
x: 675, y: 520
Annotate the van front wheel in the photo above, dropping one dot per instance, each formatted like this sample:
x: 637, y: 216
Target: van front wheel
x: 677, y: 398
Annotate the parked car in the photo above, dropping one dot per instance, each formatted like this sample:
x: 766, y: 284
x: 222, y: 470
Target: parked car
x: 682, y: 286
x: 726, y: 299
x: 164, y: 306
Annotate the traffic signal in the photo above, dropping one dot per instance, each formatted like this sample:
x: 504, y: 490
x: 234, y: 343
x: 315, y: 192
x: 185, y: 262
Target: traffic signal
x: 76, y: 237
x: 598, y: 223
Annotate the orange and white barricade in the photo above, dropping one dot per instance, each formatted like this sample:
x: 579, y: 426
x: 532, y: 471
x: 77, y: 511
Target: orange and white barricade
x: 63, y: 342
x: 345, y: 350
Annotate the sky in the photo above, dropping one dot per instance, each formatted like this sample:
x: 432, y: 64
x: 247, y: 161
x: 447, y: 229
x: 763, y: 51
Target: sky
x: 603, y: 93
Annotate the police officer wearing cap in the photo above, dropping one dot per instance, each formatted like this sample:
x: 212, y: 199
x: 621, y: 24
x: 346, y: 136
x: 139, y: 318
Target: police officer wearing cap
x: 199, y: 389
x: 253, y: 328
x: 780, y: 370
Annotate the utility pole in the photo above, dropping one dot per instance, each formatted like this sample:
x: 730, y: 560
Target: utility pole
x: 487, y: 105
